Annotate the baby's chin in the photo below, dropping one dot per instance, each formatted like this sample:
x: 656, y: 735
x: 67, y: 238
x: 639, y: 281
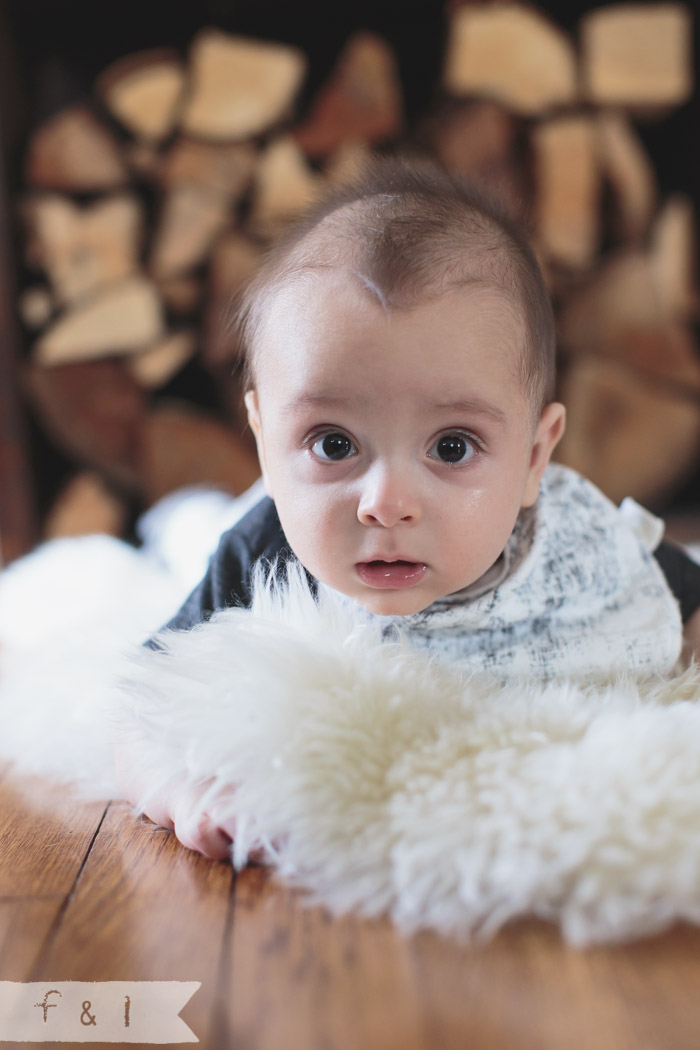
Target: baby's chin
x: 392, y: 603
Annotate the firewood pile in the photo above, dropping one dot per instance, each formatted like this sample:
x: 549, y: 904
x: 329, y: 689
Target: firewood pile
x: 147, y: 207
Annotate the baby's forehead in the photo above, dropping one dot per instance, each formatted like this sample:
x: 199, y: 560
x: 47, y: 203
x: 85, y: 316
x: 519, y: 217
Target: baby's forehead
x: 367, y: 246
x: 314, y: 287
x: 320, y: 311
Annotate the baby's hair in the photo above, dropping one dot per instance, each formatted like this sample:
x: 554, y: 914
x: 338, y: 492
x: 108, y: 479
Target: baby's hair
x: 410, y: 231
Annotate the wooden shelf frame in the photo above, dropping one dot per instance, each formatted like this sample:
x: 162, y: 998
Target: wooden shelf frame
x: 18, y: 519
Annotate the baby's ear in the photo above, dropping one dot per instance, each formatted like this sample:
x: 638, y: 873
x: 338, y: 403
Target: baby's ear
x: 549, y: 431
x: 251, y: 403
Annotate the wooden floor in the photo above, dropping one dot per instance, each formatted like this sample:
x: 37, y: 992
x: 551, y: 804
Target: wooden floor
x: 89, y: 893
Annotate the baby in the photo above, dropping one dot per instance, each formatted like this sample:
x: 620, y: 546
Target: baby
x: 400, y: 366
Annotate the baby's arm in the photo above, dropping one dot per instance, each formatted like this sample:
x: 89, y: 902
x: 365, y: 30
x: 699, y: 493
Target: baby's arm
x: 176, y: 802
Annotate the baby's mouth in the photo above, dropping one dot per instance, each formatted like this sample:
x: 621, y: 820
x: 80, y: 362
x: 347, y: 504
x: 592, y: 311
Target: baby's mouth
x: 390, y: 574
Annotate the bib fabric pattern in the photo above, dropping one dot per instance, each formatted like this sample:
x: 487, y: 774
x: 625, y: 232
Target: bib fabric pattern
x: 576, y: 592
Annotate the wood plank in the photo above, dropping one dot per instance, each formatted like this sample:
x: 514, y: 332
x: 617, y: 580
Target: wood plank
x: 144, y: 908
x: 45, y: 835
x: 277, y: 974
x: 24, y: 927
x: 304, y: 980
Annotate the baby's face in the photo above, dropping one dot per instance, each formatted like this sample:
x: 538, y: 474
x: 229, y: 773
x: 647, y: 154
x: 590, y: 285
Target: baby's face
x: 399, y: 447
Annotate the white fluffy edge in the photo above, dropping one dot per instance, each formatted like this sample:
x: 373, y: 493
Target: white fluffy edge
x: 385, y: 783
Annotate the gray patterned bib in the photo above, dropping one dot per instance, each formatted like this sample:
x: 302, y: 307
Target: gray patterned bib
x: 576, y: 592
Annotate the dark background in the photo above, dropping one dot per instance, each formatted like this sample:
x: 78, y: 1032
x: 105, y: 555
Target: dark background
x: 52, y: 50
x: 61, y: 46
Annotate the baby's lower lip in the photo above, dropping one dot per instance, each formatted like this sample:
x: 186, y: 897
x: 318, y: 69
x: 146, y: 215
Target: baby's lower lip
x: 390, y: 574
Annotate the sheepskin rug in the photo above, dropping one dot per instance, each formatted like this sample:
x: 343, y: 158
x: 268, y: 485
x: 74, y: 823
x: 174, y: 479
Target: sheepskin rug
x: 383, y: 782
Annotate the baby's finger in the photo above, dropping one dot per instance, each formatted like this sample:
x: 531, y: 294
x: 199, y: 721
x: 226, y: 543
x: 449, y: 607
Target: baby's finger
x: 197, y: 832
x: 227, y: 825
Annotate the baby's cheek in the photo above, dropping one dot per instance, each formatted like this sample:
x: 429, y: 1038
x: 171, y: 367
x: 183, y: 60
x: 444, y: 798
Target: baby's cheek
x: 317, y: 536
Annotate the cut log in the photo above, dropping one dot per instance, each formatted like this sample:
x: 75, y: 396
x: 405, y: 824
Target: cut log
x: 83, y: 249
x: 181, y: 446
x: 190, y: 220
x: 621, y: 313
x: 478, y: 139
x: 224, y: 169
x: 511, y: 53
x: 360, y: 103
x: 143, y: 91
x: 628, y: 169
x: 622, y: 291
x: 471, y: 137
x: 239, y: 87
x: 625, y: 434
x: 144, y: 160
x: 35, y: 306
x: 346, y: 163
x: 637, y: 54
x: 567, y: 182
x: 84, y: 507
x: 181, y: 295
x: 92, y: 411
x: 234, y: 261
x: 123, y: 317
x: 74, y: 152
x: 672, y: 250
x: 284, y: 186
x: 157, y: 365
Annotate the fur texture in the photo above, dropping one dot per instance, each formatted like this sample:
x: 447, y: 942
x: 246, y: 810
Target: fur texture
x: 375, y: 777
x: 385, y: 782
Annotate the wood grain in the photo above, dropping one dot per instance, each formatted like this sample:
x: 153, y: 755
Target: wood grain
x: 89, y: 892
x: 45, y: 835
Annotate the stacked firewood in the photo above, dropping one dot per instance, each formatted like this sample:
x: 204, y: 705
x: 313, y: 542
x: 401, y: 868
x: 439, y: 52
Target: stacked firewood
x: 147, y: 208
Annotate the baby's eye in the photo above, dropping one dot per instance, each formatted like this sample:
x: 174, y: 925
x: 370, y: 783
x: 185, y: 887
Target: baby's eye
x: 453, y: 448
x: 333, y: 446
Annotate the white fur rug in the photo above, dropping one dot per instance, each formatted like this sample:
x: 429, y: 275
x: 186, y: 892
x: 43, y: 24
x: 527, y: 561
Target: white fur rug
x: 390, y: 784
x: 385, y: 783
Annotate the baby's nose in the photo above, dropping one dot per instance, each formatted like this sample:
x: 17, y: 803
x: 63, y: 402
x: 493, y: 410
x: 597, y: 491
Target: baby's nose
x: 388, y: 497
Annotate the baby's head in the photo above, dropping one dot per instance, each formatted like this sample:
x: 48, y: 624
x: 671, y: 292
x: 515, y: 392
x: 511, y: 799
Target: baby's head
x: 399, y: 371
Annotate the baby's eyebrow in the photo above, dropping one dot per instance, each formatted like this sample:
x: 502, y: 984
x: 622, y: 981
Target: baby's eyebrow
x: 313, y: 401
x: 475, y: 406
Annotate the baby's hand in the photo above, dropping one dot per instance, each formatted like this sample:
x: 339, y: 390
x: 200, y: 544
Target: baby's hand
x: 176, y: 805
x: 179, y: 808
